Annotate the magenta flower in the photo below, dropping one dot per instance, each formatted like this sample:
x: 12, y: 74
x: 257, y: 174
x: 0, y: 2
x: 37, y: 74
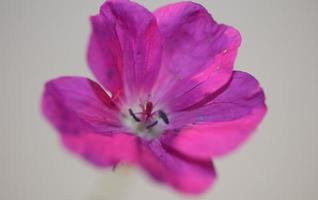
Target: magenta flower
x: 175, y: 100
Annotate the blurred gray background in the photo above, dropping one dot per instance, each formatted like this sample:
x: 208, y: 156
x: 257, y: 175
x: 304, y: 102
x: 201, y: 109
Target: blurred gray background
x: 43, y: 39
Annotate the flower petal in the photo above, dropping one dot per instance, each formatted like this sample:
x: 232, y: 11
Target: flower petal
x: 198, y: 54
x: 103, y: 55
x: 87, y: 121
x: 103, y: 150
x: 75, y: 104
x: 125, y: 48
x: 184, y: 174
x: 224, y: 123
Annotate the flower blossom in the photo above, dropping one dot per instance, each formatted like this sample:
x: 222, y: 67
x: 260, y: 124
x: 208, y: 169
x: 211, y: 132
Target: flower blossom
x: 168, y: 100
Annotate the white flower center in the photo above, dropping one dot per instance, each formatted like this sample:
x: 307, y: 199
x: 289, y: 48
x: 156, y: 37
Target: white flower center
x: 145, y: 121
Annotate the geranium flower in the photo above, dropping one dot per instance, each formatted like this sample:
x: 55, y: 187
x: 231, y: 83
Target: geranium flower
x: 175, y: 100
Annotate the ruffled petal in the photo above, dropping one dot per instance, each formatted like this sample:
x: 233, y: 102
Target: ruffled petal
x: 222, y: 124
x: 87, y: 120
x: 182, y: 173
x: 198, y: 54
x: 125, y: 48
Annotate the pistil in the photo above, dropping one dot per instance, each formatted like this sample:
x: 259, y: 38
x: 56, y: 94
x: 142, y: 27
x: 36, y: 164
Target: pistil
x: 148, y: 122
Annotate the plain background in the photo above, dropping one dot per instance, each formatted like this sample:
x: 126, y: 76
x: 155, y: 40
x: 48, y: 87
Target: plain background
x: 43, y: 39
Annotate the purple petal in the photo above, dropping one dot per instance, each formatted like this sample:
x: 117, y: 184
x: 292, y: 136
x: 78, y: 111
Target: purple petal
x: 87, y: 120
x: 198, y: 54
x: 182, y: 173
x: 124, y: 50
x: 104, y: 55
x: 75, y: 104
x: 103, y: 150
x: 224, y: 123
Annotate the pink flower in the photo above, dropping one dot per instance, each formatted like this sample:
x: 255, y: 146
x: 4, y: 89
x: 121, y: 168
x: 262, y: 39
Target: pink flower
x: 176, y: 101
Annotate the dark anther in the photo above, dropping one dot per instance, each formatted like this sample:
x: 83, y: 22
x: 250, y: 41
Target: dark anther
x: 133, y: 115
x: 114, y: 167
x: 152, y: 125
x: 163, y: 116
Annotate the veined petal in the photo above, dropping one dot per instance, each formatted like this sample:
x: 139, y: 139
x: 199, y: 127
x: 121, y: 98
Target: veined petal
x: 224, y: 123
x: 75, y: 104
x: 184, y: 174
x: 104, y: 55
x: 198, y: 54
x: 87, y: 120
x: 125, y: 48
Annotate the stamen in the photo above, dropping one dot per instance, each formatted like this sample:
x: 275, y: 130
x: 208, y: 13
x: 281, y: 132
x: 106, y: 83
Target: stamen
x: 152, y: 125
x: 133, y: 115
x: 114, y: 167
x: 163, y: 116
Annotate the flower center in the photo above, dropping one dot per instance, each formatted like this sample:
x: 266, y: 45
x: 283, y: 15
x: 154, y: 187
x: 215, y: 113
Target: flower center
x: 146, y: 121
